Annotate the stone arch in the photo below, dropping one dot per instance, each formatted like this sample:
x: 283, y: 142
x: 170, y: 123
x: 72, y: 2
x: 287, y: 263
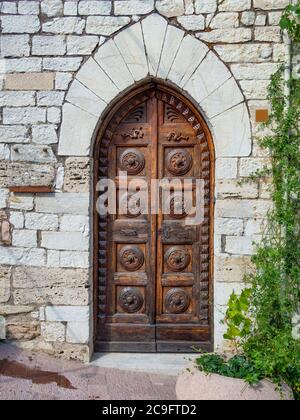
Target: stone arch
x: 152, y: 48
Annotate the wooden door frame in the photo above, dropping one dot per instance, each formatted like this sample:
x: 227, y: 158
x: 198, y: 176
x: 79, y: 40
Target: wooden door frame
x: 112, y: 111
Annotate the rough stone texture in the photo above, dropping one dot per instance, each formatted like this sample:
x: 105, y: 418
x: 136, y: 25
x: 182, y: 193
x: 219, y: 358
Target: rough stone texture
x: 77, y: 175
x: 170, y: 8
x: 53, y: 332
x: 131, y: 7
x: 5, y: 276
x: 23, y: 331
x: 20, y: 24
x: 14, y: 45
x: 205, y: 6
x: 105, y: 25
x: 192, y: 23
x: 93, y: 7
x: 66, y: 25
x: 52, y: 8
x: 48, y: 45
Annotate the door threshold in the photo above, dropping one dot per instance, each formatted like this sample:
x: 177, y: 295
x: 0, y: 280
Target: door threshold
x: 170, y: 364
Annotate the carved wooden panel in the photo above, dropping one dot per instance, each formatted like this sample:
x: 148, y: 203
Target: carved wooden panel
x: 154, y: 270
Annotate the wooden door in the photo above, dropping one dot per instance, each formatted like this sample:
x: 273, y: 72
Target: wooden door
x: 153, y: 270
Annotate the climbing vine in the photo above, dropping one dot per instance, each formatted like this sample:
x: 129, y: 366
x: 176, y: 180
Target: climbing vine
x: 264, y: 321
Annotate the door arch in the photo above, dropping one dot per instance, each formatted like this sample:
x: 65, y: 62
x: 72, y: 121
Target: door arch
x: 153, y: 286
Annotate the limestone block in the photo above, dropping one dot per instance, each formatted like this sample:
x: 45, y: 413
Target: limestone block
x: 74, y: 223
x: 261, y: 71
x: 105, y: 25
x: 66, y: 203
x: 7, y: 310
x: 229, y: 140
x: 76, y: 131
x: 14, y: 46
x: 255, y: 227
x: 74, y: 259
x: 62, y: 80
x: 94, y: 7
x: 268, y: 34
x: 225, y: 20
x: 32, y: 278
x: 24, y: 238
x: 16, y: 99
x: 231, y: 189
x: 31, y: 115
x: 244, y: 53
x: 235, y: 6
x: 16, y: 219
x: 67, y: 313
x: 53, y: 332
x: 4, y: 152
x: 189, y: 7
x: 81, y: 45
x: 232, y: 269
x: 51, y: 296
x: 23, y: 257
x: 28, y: 7
x: 239, y: 245
x: 270, y: 4
x: 53, y: 259
x: 70, y: 241
x: 190, y: 54
x: 44, y: 134
x: 223, y: 98
x: 192, y: 23
x: 23, y: 331
x: 22, y: 173
x: 78, y: 332
x: 20, y: 24
x: 71, y: 8
x: 229, y: 226
x: 226, y: 35
x: 131, y: 45
x: 172, y: 43
x: 243, y: 208
x: 205, y: 6
x: 133, y: 7
x: 274, y: 18
x: 226, y: 168
x: 250, y: 166
x: 207, y: 78
x: 30, y: 81
x: 54, y: 115
x: 110, y: 60
x: 8, y: 7
x: 5, y: 277
x: 248, y: 18
x: 3, y: 198
x: 29, y: 153
x: 77, y: 175
x: 13, y: 134
x: 48, y: 45
x: 21, y: 202
x: 94, y: 78
x: 20, y: 65
x: 170, y: 8
x: 154, y: 29
x: 52, y: 8
x: 279, y: 53
x: 260, y: 19
x: 41, y: 221
x: 65, y: 25
x: 54, y: 98
x: 62, y: 63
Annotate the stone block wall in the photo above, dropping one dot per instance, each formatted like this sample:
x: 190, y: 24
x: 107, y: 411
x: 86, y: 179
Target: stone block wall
x: 45, y: 260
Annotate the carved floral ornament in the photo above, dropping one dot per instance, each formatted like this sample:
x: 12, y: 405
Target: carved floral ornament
x: 130, y: 299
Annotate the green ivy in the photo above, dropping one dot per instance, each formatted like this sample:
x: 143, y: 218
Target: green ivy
x: 260, y: 320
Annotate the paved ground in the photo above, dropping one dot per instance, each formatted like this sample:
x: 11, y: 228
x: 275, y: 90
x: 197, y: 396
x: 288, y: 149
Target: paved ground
x: 28, y: 376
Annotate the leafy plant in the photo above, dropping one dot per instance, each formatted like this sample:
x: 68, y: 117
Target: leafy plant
x: 237, y: 318
x: 260, y: 321
x: 290, y: 21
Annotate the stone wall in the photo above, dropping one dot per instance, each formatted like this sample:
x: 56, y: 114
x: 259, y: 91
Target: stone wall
x: 45, y: 252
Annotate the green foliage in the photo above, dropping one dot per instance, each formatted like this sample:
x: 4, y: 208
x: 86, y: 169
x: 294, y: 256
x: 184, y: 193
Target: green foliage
x: 237, y: 318
x: 261, y: 319
x: 239, y: 367
x: 290, y: 21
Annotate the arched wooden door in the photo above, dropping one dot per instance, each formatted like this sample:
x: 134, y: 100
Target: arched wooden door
x: 152, y: 271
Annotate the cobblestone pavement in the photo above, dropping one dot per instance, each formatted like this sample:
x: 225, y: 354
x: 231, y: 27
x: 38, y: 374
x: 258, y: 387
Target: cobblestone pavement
x: 28, y: 376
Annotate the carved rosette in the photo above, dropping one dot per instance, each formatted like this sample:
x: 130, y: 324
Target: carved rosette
x: 132, y: 161
x: 130, y: 300
x: 130, y: 206
x: 131, y: 257
x: 179, y: 162
x: 177, y: 301
x: 179, y: 207
x: 177, y: 258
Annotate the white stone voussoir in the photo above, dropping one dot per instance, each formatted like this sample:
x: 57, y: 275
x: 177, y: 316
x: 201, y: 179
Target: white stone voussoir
x: 155, y: 48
